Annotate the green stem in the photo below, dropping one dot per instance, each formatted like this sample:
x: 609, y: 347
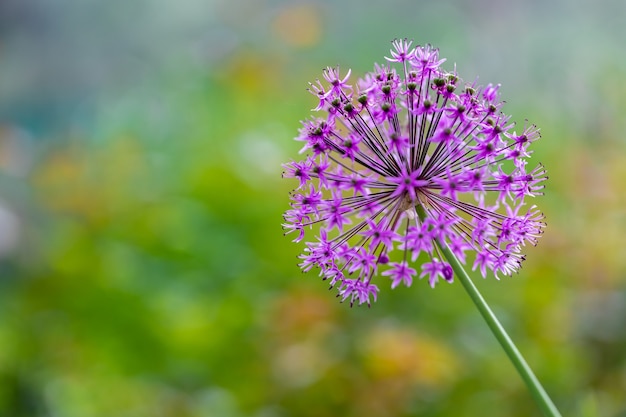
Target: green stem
x: 533, y: 384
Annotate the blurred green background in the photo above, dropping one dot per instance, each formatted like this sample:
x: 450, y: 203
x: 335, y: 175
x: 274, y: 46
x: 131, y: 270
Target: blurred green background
x: 143, y: 271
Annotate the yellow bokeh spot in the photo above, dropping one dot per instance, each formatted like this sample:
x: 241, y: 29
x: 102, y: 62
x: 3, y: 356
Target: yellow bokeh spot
x: 298, y: 25
x: 392, y: 353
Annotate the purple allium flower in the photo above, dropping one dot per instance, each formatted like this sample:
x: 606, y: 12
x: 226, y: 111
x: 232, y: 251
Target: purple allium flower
x: 407, y: 136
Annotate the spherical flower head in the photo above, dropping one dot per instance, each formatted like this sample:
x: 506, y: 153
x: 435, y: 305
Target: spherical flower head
x: 405, y: 161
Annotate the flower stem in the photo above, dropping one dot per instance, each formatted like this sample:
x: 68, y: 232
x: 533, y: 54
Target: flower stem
x: 532, y: 383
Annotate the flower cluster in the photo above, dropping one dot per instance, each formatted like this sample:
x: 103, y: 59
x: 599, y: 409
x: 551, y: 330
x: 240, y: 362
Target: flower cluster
x: 408, y: 160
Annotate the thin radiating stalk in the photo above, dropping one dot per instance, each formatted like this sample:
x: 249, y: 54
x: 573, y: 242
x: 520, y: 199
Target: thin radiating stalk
x: 532, y: 383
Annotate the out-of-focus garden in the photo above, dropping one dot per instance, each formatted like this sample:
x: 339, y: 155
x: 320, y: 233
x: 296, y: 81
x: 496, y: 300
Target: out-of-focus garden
x: 143, y: 270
